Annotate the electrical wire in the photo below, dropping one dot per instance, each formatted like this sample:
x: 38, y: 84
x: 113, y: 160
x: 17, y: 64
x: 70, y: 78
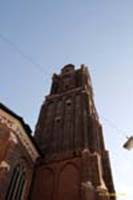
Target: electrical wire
x: 113, y: 126
x: 21, y: 52
x: 41, y: 70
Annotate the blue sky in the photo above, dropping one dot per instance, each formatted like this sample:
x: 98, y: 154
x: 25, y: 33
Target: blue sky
x: 98, y: 33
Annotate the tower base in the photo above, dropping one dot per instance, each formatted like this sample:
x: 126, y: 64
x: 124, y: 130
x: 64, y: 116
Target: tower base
x: 75, y: 176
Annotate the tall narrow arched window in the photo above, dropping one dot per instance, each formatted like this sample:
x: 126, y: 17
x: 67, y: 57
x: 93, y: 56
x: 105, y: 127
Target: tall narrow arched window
x: 17, y: 184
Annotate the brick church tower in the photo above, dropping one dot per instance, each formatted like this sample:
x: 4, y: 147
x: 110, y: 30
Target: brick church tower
x: 74, y: 164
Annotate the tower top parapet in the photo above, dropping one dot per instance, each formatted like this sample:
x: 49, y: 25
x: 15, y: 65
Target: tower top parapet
x: 70, y: 78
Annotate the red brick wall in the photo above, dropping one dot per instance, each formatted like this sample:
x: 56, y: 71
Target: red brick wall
x: 13, y: 154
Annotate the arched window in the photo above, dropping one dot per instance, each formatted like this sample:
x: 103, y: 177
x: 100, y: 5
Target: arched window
x: 17, y: 184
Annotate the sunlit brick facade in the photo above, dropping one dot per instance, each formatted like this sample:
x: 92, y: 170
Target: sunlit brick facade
x: 17, y: 156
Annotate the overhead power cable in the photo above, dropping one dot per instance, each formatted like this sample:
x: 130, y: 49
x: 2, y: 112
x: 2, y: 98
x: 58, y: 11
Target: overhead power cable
x: 114, y: 126
x: 22, y: 53
x: 128, y: 144
x: 41, y: 70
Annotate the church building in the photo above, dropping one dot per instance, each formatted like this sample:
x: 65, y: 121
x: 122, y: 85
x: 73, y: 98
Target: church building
x: 66, y: 159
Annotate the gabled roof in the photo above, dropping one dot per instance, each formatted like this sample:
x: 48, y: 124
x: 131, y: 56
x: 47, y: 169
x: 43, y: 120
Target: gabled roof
x: 20, y: 119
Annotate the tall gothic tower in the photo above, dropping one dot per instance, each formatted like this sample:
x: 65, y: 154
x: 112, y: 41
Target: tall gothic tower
x: 74, y: 164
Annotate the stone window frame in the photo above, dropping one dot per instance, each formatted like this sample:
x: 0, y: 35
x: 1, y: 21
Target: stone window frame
x: 17, y: 183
